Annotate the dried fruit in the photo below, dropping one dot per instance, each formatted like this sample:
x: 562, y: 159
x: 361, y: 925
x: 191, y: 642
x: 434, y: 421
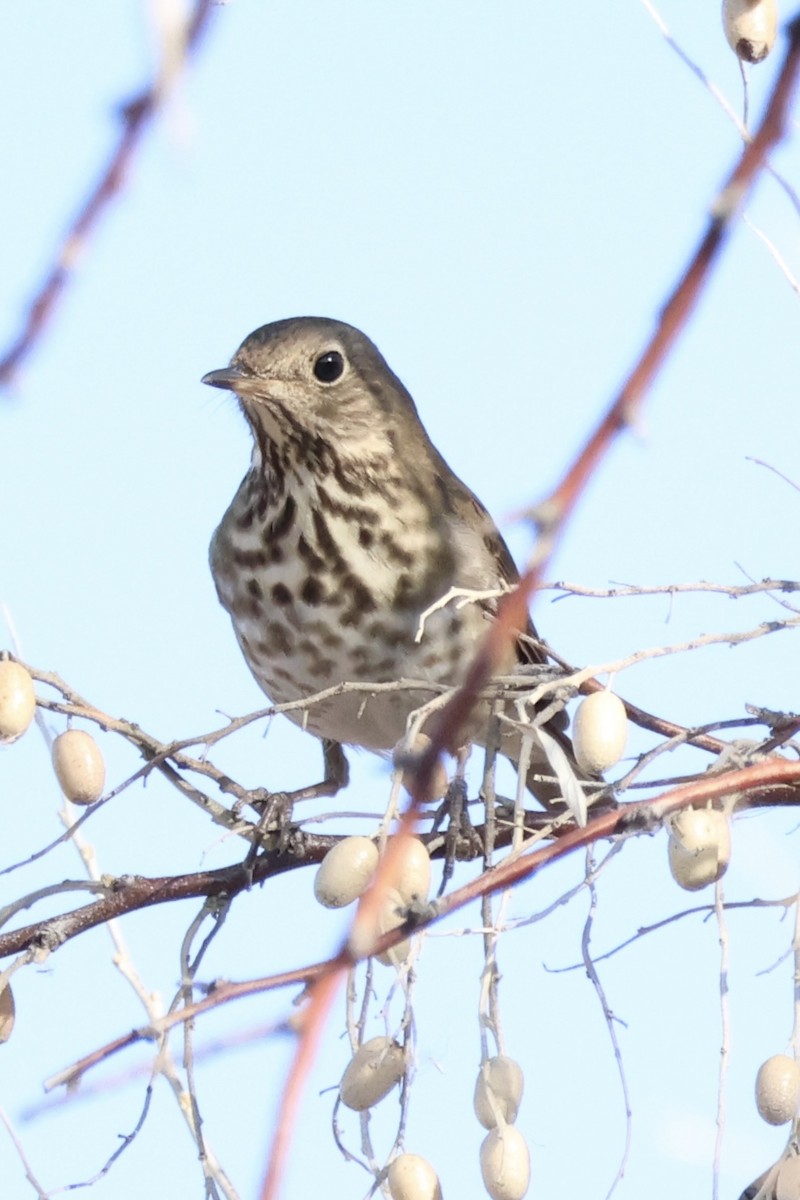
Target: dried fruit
x: 419, y: 744
x: 599, y: 732
x: 79, y: 766
x: 498, y: 1091
x: 778, y: 1089
x: 412, y: 1177
x: 410, y: 873
x: 7, y: 1013
x: 505, y: 1163
x: 751, y: 27
x: 17, y: 701
x: 393, y: 912
x: 699, y: 847
x: 372, y: 1072
x: 345, y: 871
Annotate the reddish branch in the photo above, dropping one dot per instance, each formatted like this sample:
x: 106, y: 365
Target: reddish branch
x: 131, y: 893
x: 772, y: 773
x: 551, y: 518
x: 136, y: 115
x: 219, y: 994
x: 773, y: 777
x: 552, y: 514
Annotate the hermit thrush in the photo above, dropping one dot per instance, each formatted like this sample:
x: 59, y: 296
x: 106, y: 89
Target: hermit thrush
x: 344, y: 534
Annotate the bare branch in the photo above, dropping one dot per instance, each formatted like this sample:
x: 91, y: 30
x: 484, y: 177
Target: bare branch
x: 136, y: 116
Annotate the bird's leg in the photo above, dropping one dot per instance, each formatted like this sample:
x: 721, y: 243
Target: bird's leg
x: 275, y: 808
x: 337, y: 774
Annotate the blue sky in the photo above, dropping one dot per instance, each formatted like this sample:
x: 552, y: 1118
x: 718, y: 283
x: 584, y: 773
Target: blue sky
x: 501, y: 196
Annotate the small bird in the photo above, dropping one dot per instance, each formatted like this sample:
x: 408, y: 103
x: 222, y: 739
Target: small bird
x: 344, y: 534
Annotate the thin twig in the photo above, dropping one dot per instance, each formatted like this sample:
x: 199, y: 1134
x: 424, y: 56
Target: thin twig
x: 725, y: 1031
x: 136, y: 116
x: 608, y: 1016
x: 507, y: 873
x: 551, y: 518
x: 735, y: 591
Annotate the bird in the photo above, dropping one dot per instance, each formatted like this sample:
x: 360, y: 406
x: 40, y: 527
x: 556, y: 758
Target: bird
x: 345, y: 552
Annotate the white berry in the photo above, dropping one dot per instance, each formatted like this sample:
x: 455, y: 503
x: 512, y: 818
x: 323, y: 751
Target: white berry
x: 699, y: 847
x: 79, y: 766
x: 438, y: 781
x: 411, y: 1177
x: 751, y: 27
x: 372, y: 1072
x: 505, y: 1163
x: 600, y: 732
x: 392, y: 913
x: 410, y: 872
x: 17, y: 701
x: 7, y: 1013
x: 498, y: 1091
x: 778, y: 1089
x: 345, y: 871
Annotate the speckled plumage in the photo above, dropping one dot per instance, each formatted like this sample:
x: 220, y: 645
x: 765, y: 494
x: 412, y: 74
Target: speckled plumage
x: 347, y: 527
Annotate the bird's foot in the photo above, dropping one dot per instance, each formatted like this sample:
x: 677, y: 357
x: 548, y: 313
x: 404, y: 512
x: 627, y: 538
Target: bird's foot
x: 274, y: 827
x: 275, y: 809
x: 461, y: 840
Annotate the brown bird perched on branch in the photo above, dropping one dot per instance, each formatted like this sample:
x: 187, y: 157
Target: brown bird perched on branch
x: 346, y: 531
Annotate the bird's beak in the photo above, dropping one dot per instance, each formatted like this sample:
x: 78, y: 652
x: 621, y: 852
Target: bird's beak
x: 233, y: 379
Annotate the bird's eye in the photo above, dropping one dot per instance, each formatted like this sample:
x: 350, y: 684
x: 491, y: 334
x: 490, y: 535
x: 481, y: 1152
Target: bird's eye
x: 329, y: 366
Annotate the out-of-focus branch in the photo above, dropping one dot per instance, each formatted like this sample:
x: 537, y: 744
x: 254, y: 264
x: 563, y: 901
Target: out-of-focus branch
x: 552, y: 514
x: 551, y: 518
x: 772, y: 774
x: 136, y: 116
x: 131, y: 893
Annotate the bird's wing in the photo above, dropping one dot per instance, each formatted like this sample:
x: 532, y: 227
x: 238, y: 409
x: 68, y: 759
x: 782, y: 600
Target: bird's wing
x: 485, y: 561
